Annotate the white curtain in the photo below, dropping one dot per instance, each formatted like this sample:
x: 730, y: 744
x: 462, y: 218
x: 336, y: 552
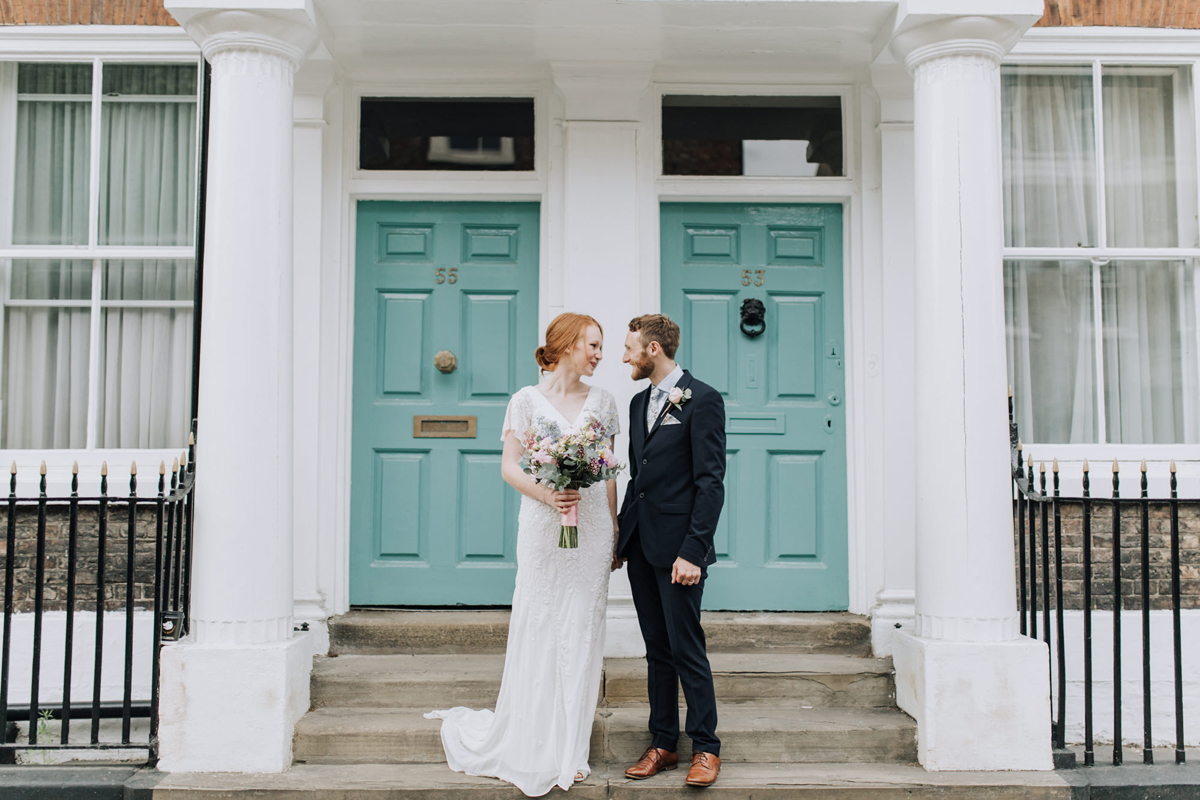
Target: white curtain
x: 1148, y: 308
x: 46, y: 348
x: 1050, y: 201
x: 148, y: 160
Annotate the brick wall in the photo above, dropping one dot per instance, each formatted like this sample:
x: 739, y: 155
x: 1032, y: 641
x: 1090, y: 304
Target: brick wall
x: 116, y: 542
x: 1122, y: 13
x: 84, y: 12
x: 1131, y: 566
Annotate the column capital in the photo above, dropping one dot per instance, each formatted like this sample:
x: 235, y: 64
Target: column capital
x: 602, y: 92
x: 287, y: 30
x: 982, y: 37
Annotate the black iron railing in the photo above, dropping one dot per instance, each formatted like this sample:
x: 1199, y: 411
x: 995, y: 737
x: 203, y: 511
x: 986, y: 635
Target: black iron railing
x: 164, y: 588
x: 1039, y: 512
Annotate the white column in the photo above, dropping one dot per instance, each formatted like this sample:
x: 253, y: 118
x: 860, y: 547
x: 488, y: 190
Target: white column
x: 979, y: 691
x: 232, y: 692
x: 600, y: 234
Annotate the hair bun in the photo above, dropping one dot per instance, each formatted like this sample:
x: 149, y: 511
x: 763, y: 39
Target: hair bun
x: 542, y: 361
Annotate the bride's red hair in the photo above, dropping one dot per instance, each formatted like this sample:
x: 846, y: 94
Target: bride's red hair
x: 561, y: 335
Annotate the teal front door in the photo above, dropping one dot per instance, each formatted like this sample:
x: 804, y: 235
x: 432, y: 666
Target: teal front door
x: 445, y: 325
x: 782, y: 541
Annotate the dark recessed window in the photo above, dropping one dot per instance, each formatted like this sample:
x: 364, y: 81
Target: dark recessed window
x: 755, y: 136
x: 459, y: 133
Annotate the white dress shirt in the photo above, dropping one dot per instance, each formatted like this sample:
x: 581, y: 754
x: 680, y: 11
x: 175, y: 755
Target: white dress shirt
x: 658, y: 395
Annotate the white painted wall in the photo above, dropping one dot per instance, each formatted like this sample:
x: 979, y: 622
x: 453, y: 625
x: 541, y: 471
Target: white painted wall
x: 83, y: 649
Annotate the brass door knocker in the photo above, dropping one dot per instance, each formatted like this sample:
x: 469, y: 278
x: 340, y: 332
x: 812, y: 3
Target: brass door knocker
x: 445, y: 362
x: 753, y: 316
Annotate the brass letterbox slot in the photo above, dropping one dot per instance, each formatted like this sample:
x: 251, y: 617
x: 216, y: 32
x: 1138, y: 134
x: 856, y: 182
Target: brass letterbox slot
x: 444, y: 427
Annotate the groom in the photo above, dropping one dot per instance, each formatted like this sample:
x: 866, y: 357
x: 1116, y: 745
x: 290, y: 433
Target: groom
x: 671, y: 508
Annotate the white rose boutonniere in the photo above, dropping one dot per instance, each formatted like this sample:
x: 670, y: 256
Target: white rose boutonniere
x: 677, y: 397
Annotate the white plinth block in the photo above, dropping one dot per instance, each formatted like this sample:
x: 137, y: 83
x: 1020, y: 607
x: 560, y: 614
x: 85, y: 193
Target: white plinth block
x: 978, y: 705
x: 232, y: 709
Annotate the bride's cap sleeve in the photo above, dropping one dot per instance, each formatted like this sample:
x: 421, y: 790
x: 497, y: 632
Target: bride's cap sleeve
x: 612, y: 416
x: 516, y: 417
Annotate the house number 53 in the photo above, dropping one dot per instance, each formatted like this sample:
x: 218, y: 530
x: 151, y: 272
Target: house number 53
x: 443, y: 277
x: 757, y: 277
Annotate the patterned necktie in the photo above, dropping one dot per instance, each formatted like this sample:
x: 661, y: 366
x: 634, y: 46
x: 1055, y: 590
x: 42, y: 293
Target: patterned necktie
x: 656, y: 398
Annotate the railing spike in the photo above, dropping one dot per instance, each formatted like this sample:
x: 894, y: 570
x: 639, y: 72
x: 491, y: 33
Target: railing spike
x: 1020, y: 446
x: 192, y: 439
x: 1010, y: 392
x: 13, y: 470
x: 1172, y: 466
x: 104, y: 469
x: 162, y: 468
x: 43, y: 468
x: 1085, y: 465
x: 1115, y: 467
x: 1042, y: 467
x: 175, y: 465
x: 133, y: 468
x: 1056, y: 466
x: 1143, y: 465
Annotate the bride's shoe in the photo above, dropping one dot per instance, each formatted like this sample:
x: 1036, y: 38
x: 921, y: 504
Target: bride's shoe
x: 579, y: 777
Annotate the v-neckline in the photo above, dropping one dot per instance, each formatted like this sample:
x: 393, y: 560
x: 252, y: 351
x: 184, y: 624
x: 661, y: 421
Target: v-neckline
x: 562, y: 416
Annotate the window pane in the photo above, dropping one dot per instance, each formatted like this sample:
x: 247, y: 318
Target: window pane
x: 146, y: 355
x: 51, y: 280
x: 1150, y: 352
x: 1051, y: 350
x: 760, y: 136
x: 447, y: 134
x: 46, y: 350
x: 54, y: 113
x: 148, y: 155
x: 1142, y: 190
x: 1048, y: 145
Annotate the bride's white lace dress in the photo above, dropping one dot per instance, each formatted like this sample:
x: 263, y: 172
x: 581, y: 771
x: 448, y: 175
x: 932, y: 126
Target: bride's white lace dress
x: 539, y: 734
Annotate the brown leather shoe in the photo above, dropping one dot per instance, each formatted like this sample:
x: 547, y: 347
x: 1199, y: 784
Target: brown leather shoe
x: 705, y: 767
x: 653, y: 761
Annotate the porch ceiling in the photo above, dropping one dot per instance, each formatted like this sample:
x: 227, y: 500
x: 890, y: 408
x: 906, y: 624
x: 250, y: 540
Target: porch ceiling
x: 376, y: 38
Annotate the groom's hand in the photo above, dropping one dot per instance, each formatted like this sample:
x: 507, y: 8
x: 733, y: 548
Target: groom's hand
x: 685, y: 572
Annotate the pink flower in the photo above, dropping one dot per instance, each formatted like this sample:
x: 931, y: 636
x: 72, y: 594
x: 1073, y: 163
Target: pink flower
x: 675, y: 396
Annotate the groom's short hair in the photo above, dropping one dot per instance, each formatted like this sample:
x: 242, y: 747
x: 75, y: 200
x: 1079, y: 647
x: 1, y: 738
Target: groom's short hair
x: 657, y: 328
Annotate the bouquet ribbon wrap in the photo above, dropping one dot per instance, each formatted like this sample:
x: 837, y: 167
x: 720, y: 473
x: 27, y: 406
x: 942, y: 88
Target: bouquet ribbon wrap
x: 568, y: 532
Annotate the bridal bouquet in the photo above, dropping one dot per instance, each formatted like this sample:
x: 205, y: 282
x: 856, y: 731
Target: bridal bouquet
x: 569, y: 461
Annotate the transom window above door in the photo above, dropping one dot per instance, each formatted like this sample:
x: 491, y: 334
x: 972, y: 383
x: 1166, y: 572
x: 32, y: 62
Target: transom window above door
x: 764, y: 136
x: 98, y: 175
x: 1100, y: 259
x: 446, y: 133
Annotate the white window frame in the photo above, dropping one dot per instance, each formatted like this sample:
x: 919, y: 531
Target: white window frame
x: 1131, y: 47
x: 95, y: 44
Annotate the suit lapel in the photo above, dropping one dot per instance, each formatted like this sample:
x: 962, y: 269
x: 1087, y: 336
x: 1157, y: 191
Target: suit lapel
x: 684, y: 382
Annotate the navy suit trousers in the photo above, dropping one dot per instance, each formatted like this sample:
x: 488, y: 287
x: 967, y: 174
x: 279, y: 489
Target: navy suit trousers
x: 669, y: 616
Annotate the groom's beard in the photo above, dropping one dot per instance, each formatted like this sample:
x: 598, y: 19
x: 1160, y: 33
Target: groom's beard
x: 642, y: 367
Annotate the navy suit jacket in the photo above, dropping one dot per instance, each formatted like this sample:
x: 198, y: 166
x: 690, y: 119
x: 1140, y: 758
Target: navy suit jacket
x: 676, y: 477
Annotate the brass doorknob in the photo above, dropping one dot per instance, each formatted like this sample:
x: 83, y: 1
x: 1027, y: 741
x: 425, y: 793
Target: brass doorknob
x: 445, y: 362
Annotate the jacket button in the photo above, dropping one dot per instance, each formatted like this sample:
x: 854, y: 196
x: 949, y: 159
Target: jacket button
x: 645, y: 461
x: 641, y: 494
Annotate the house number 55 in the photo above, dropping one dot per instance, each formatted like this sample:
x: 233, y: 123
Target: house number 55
x: 757, y: 277
x: 442, y: 277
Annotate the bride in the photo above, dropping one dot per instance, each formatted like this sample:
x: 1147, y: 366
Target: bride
x: 539, y: 735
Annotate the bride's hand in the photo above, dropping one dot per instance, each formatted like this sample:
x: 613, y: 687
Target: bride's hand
x: 564, y: 500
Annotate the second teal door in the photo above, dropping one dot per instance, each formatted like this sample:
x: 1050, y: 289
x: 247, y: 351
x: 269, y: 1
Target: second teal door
x: 782, y: 542
x: 445, y: 325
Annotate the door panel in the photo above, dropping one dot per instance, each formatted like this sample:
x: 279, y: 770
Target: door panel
x: 782, y: 539
x: 431, y: 521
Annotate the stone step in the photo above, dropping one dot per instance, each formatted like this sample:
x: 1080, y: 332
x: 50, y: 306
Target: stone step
x: 749, y: 733
x: 736, y: 782
x: 367, y: 632
x: 415, y: 681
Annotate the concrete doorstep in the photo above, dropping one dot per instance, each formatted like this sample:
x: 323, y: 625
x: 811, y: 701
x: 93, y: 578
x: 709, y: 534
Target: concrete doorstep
x: 737, y: 782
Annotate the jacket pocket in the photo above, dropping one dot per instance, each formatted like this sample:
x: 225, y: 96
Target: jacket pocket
x: 675, y: 508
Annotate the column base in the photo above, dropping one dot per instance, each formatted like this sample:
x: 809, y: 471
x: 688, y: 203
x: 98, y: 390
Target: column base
x: 232, y: 708
x: 978, y: 705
